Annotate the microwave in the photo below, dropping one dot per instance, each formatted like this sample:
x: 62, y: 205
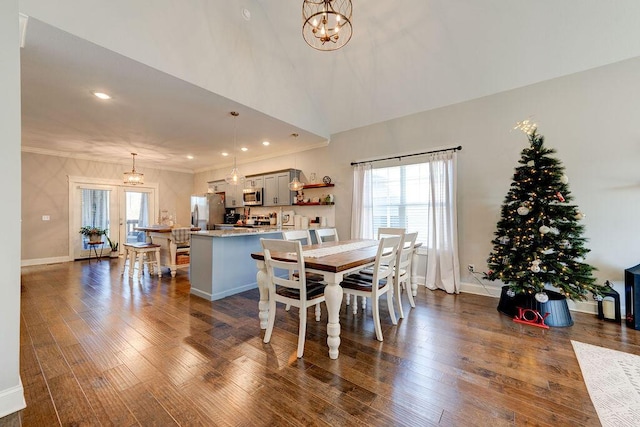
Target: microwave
x: 252, y: 197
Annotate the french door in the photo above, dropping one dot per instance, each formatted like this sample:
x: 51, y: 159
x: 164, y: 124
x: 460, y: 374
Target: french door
x: 110, y: 206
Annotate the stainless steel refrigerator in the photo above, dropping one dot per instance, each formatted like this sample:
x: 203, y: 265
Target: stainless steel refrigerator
x: 207, y: 210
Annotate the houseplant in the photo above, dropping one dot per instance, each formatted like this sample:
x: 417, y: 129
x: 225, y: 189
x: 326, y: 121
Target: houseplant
x: 114, y: 247
x: 93, y: 233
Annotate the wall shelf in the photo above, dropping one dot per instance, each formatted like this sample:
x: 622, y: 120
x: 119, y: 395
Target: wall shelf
x: 321, y: 185
x: 314, y: 204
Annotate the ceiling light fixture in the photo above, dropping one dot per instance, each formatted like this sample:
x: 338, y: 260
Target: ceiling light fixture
x: 265, y: 143
x: 326, y: 24
x: 101, y: 95
x: 295, y: 184
x: 234, y: 177
x: 133, y: 177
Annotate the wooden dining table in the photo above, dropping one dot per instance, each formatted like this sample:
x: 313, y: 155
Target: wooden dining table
x: 333, y: 260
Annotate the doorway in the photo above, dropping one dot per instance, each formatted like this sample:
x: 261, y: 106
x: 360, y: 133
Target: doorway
x: 114, y: 207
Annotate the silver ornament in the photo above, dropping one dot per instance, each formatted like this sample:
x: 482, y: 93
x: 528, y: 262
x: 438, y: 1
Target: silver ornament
x: 511, y: 293
x: 544, y: 229
x: 542, y: 297
x: 523, y: 210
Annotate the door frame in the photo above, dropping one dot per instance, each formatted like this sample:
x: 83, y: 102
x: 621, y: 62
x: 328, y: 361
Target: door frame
x: 75, y: 181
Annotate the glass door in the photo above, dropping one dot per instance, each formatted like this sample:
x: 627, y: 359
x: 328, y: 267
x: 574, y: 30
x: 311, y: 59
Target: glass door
x: 136, y: 211
x: 95, y: 207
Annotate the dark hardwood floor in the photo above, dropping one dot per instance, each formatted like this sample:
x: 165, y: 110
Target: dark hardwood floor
x: 100, y: 350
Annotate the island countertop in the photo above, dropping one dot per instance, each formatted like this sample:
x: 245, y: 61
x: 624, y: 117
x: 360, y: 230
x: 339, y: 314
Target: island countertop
x: 239, y: 231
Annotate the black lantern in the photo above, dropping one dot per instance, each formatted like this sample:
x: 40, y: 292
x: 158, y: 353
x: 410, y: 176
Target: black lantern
x: 609, y: 304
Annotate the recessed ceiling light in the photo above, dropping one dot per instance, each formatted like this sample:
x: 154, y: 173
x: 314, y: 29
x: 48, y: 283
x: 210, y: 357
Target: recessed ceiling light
x: 101, y: 95
x: 265, y: 143
x: 244, y: 149
x: 190, y: 157
x: 224, y: 153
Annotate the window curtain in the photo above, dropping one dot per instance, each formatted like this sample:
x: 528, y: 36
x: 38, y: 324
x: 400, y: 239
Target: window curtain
x: 443, y: 266
x: 362, y: 202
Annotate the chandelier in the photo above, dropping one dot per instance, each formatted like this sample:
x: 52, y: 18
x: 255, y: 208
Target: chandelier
x: 326, y: 24
x: 234, y: 177
x: 133, y: 177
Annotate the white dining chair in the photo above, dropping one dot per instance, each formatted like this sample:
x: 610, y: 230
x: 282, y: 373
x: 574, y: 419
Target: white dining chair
x: 402, y: 272
x: 326, y: 235
x: 379, y: 283
x: 304, y: 237
x: 293, y: 290
x: 382, y: 232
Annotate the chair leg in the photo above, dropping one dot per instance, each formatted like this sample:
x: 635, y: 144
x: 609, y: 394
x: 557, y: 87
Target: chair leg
x: 287, y: 307
x: 392, y: 312
x: 354, y: 306
x: 124, y: 263
x: 140, y: 264
x: 397, y: 290
x: 347, y: 298
x: 271, y: 319
x: 376, y: 318
x: 132, y: 262
x: 409, y: 291
x: 317, y: 310
x: 364, y: 303
x: 302, y: 329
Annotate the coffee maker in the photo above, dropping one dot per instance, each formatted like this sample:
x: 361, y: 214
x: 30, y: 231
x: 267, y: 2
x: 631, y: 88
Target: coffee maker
x: 231, y: 218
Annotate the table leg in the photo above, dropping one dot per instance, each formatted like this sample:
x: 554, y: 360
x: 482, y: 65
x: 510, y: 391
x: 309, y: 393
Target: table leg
x: 263, y: 285
x: 333, y: 299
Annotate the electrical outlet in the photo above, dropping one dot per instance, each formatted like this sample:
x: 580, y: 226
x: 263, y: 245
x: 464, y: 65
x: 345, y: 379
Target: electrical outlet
x: 471, y: 268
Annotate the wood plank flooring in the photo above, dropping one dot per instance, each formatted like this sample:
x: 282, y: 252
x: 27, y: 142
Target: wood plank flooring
x: 97, y: 349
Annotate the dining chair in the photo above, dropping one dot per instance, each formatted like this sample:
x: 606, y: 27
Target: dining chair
x: 402, y: 271
x: 326, y: 235
x: 379, y: 283
x: 382, y: 232
x: 290, y: 289
x: 304, y: 237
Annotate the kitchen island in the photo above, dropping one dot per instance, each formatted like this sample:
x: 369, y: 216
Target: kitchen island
x: 221, y: 263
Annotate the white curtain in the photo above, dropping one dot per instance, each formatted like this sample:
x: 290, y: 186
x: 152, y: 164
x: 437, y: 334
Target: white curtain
x: 443, y: 266
x: 361, y: 213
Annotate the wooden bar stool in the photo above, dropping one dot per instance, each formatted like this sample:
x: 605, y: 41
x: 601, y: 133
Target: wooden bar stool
x: 138, y: 252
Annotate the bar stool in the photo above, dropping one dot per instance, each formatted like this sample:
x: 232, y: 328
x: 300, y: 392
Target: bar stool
x: 138, y: 252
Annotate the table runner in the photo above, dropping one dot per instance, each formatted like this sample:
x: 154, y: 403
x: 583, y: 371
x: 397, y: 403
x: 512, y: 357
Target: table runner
x: 320, y: 252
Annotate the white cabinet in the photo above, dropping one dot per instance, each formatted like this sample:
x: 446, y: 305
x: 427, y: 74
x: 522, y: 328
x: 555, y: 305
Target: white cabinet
x: 276, y: 188
x: 232, y: 193
x: 254, y: 182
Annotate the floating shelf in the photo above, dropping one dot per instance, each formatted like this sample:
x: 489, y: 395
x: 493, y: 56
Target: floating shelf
x: 313, y: 204
x: 321, y: 185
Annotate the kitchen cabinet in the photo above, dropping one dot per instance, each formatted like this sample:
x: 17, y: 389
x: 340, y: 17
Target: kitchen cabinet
x: 254, y: 182
x: 232, y: 193
x: 276, y: 188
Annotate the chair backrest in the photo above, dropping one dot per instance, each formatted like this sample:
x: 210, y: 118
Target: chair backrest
x: 405, y: 255
x: 301, y: 235
x: 276, y: 267
x: 385, y: 258
x: 326, y: 235
x: 390, y: 231
x: 181, y: 236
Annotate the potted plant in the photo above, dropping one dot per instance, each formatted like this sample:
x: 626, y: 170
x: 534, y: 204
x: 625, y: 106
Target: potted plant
x: 114, y: 247
x: 93, y: 233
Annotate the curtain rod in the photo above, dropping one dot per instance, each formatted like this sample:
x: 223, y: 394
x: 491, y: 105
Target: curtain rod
x: 459, y: 147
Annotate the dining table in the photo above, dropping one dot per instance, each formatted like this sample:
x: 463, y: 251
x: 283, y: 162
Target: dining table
x: 333, y: 260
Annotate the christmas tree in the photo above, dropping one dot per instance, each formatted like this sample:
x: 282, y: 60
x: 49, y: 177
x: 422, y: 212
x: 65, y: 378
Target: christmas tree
x: 539, y: 239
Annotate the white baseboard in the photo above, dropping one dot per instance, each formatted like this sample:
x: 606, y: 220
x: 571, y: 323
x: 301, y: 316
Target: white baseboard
x: 12, y: 400
x: 43, y: 261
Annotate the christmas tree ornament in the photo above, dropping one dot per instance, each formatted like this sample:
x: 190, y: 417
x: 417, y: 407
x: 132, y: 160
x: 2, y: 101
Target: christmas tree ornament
x: 523, y: 210
x: 531, y: 163
x: 542, y: 297
x: 559, y: 196
x: 504, y: 240
x: 579, y: 215
x: 544, y: 229
x: 535, y: 269
x: 564, y: 179
x: 511, y: 293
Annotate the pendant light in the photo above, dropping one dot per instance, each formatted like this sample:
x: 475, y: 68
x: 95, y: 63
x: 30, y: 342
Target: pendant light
x: 326, y: 24
x: 133, y: 177
x: 235, y: 177
x: 295, y: 184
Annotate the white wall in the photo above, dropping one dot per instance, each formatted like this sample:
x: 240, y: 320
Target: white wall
x: 11, y: 392
x: 589, y: 118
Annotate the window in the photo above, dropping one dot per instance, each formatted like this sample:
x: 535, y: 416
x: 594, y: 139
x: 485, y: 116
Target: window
x: 402, y: 197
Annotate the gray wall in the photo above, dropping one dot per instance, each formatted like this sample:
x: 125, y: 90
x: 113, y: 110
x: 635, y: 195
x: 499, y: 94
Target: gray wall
x: 45, y: 191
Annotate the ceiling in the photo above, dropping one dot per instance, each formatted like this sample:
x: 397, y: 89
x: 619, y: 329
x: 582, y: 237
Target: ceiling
x: 405, y: 57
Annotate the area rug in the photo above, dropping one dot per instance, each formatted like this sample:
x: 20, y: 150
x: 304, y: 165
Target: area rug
x: 613, y: 381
